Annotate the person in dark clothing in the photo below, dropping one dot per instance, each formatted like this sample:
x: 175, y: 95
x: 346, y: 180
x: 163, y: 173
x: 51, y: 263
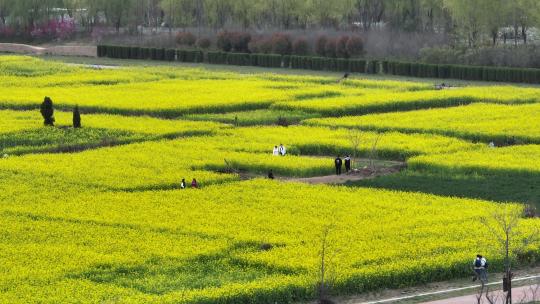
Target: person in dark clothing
x: 348, y: 163
x: 343, y: 78
x: 194, y: 184
x: 339, y: 163
x: 271, y: 175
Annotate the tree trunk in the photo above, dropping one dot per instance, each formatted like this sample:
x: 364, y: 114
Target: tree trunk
x: 516, y: 30
x: 117, y: 25
x: 508, y: 269
x: 524, y: 33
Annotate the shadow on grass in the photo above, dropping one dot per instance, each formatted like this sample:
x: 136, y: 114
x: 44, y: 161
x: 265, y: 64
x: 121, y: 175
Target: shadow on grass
x: 70, y: 140
x: 494, y: 187
x: 161, y: 275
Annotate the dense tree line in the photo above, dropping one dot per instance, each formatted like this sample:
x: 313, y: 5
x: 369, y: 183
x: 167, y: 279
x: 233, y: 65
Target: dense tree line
x: 471, y: 22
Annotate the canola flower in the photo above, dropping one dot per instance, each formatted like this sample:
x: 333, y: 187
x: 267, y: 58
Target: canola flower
x: 109, y: 224
x: 379, y: 101
x: 160, y: 165
x: 309, y: 140
x: 195, y: 246
x: 22, y: 132
x: 165, y: 91
x: 486, y: 122
x: 524, y: 159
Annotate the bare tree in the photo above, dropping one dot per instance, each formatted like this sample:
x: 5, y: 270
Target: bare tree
x: 532, y: 295
x: 230, y: 167
x: 492, y: 298
x: 355, y: 139
x: 373, y: 152
x: 504, y: 225
x: 324, y: 269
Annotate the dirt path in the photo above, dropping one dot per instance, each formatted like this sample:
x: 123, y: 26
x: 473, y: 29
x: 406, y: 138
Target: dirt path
x: 59, y: 50
x: 356, y: 175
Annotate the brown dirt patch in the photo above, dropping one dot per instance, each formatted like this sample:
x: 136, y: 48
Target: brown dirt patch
x: 355, y: 175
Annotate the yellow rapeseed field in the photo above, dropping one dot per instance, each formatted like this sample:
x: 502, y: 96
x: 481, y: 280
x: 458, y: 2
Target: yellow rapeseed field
x: 96, y: 214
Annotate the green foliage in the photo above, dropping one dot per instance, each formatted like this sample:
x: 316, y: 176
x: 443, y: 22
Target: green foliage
x: 478, y: 73
x: 217, y: 57
x: 194, y: 56
x: 267, y: 60
x: 423, y: 70
x: 357, y: 65
x: 169, y: 55
x: 238, y: 59
x: 47, y: 111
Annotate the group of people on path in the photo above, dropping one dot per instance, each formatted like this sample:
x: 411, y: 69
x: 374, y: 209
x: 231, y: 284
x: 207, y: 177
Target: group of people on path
x: 279, y: 151
x: 194, y: 184
x: 338, y: 162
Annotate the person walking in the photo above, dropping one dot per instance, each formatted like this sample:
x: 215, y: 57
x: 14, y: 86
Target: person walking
x: 183, y: 184
x: 480, y: 265
x: 276, y: 151
x: 339, y: 163
x: 282, y: 150
x: 347, y: 163
x: 194, y: 184
x: 271, y: 175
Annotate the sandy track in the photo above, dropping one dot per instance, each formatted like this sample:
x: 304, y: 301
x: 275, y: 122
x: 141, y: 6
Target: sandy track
x: 62, y: 50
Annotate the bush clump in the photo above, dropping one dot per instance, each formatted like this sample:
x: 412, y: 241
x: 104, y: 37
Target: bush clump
x: 341, y: 47
x: 320, y: 45
x: 281, y: 44
x: 186, y: 38
x: 76, y: 118
x: 240, y: 41
x: 330, y: 48
x: 355, y: 46
x: 300, y: 47
x: 261, y: 46
x: 47, y: 111
x: 224, y: 42
x: 204, y: 43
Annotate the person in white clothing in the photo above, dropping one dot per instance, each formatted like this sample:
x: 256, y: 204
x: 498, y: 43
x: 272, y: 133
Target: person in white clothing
x: 282, y: 150
x: 276, y: 151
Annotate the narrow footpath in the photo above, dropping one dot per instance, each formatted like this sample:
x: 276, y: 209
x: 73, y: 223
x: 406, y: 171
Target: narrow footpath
x: 387, y: 168
x: 525, y: 294
x: 528, y: 293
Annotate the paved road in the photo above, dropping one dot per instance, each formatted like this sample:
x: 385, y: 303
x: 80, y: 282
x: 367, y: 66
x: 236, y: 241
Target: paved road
x: 524, y: 294
x: 520, y: 294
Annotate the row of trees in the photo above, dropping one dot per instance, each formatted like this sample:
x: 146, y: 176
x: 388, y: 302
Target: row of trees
x: 471, y: 22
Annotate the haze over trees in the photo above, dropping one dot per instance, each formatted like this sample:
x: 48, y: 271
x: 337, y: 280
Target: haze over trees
x: 396, y: 28
x: 471, y: 20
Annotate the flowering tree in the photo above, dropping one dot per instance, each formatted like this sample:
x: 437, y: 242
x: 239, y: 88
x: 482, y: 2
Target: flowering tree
x: 54, y: 29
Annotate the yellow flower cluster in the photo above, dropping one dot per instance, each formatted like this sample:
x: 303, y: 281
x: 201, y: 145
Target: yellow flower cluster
x: 110, y: 224
x: 479, y: 121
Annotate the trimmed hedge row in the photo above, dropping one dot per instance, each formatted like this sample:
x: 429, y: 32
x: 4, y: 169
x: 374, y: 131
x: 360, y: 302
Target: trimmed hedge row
x: 480, y: 73
x: 128, y: 52
x: 262, y: 60
x: 333, y: 64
